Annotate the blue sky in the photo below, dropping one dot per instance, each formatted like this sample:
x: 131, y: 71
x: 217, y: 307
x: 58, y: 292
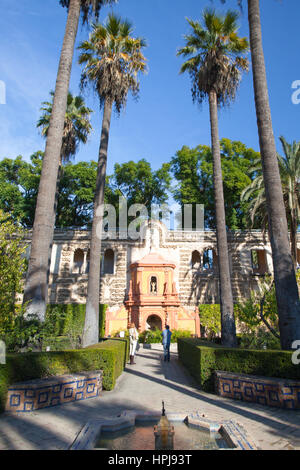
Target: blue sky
x: 164, y: 119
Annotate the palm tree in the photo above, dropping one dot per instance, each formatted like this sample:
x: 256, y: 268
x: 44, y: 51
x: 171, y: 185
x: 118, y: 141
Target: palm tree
x: 36, y: 285
x: 287, y: 293
x: 77, y: 126
x: 112, y: 59
x: 289, y: 168
x: 215, y: 68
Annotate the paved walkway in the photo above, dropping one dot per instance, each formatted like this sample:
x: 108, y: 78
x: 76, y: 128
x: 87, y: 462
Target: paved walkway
x: 144, y: 386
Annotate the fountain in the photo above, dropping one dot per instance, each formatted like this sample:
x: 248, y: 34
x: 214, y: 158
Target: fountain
x: 164, y: 433
x: 141, y: 430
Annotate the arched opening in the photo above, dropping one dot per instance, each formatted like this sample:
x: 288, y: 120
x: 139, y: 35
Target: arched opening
x: 153, y: 322
x: 196, y: 260
x: 109, y: 262
x: 209, y: 259
x: 153, y: 285
x: 259, y: 261
x: 78, y: 261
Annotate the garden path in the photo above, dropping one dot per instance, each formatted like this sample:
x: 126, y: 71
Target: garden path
x: 143, y: 387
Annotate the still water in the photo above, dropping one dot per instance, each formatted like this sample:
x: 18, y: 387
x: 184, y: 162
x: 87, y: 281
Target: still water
x: 141, y: 437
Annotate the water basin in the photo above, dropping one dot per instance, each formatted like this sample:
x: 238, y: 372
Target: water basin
x: 141, y: 437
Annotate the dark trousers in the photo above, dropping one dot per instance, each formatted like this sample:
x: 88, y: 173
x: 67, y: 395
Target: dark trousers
x: 166, y: 352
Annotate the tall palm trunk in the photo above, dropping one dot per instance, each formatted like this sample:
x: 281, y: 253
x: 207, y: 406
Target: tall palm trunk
x: 293, y: 235
x: 91, y: 326
x: 228, y: 329
x: 284, y: 274
x: 36, y: 286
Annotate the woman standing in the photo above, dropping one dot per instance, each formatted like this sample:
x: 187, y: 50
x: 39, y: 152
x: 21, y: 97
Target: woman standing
x: 134, y: 336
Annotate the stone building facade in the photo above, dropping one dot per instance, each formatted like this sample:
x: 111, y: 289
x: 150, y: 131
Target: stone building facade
x: 190, y: 257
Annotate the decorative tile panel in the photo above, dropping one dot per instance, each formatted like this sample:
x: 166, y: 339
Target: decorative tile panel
x: 44, y: 393
x: 282, y: 393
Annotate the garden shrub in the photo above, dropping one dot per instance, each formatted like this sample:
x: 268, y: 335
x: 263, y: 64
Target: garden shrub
x: 202, y: 359
x: 108, y: 356
x: 210, y: 319
x: 154, y: 336
x: 62, y: 328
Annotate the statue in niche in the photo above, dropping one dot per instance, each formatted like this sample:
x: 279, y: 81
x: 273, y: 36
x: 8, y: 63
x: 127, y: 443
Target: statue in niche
x: 153, y: 285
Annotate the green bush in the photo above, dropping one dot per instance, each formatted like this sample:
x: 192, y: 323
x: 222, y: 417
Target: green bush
x: 261, y: 338
x: 202, y: 359
x: 62, y: 320
x: 210, y: 319
x: 108, y: 356
x: 154, y: 336
x: 121, y: 348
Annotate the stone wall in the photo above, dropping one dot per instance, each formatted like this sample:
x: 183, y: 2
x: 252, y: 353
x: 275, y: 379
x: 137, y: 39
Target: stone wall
x: 193, y: 284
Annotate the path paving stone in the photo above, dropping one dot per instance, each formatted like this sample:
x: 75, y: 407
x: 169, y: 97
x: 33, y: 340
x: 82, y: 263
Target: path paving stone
x: 144, y: 386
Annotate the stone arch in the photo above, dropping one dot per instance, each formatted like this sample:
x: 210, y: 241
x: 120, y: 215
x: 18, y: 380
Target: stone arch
x: 154, y: 321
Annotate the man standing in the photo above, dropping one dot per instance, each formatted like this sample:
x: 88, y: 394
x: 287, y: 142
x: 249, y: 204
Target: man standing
x: 166, y: 341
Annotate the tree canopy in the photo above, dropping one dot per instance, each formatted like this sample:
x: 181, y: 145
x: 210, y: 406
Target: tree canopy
x: 137, y: 181
x: 193, y: 171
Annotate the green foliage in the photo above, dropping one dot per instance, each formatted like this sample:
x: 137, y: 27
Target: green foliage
x: 254, y: 194
x: 12, y: 269
x: 19, y: 182
x: 154, y: 336
x: 202, y: 360
x: 139, y: 184
x: 210, y: 319
x: 247, y: 312
x: 77, y: 124
x: 137, y: 181
x: 108, y: 356
x: 62, y: 329
x: 120, y: 347
x: 112, y: 60
x: 193, y: 170
x: 216, y: 56
x: 260, y: 338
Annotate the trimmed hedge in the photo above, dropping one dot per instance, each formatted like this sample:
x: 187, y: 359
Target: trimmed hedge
x: 202, y: 359
x: 121, y: 348
x: 68, y: 318
x: 109, y: 356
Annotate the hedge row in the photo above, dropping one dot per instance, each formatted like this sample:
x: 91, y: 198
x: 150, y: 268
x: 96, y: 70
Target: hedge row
x: 70, y: 317
x: 109, y: 356
x: 202, y: 359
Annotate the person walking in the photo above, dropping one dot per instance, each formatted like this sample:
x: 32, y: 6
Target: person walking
x: 133, y: 336
x: 166, y: 341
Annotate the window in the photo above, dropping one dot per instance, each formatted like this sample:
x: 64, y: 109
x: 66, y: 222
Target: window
x: 109, y: 262
x: 208, y: 259
x: 259, y: 262
x: 196, y: 260
x: 78, y: 261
